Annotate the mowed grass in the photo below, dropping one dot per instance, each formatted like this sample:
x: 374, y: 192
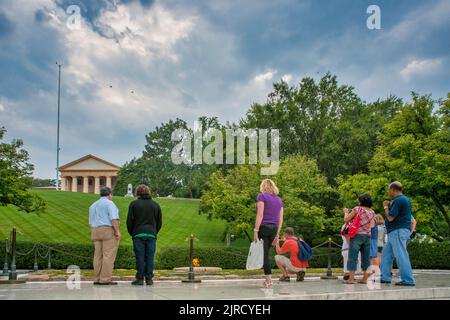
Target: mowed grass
x: 66, y: 220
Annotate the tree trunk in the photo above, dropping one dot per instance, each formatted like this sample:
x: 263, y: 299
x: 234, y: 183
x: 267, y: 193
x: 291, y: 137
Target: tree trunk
x: 246, y: 233
x: 442, y: 209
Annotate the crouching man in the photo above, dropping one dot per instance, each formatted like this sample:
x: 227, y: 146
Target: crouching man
x: 292, y: 264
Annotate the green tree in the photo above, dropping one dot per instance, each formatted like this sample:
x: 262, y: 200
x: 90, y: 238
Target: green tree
x: 15, y: 176
x: 232, y: 197
x: 156, y: 168
x: 323, y: 121
x: 414, y: 149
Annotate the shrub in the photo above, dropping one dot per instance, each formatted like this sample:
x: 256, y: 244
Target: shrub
x: 423, y: 255
x: 434, y: 255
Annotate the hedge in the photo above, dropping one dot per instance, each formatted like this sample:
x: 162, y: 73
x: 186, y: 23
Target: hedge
x: 423, y: 256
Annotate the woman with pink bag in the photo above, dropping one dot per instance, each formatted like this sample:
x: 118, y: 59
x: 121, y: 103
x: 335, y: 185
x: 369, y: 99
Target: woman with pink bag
x: 360, y: 221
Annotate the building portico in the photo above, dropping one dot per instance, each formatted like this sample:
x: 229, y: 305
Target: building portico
x: 88, y: 174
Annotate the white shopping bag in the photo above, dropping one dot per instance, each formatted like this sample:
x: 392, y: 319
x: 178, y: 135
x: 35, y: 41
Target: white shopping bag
x: 255, y: 259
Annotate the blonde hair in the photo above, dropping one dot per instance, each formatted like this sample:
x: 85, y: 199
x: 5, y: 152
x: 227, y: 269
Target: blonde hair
x: 379, y: 219
x: 269, y: 186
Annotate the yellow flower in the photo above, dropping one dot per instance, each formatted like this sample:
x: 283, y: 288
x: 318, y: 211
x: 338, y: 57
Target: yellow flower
x: 195, y: 262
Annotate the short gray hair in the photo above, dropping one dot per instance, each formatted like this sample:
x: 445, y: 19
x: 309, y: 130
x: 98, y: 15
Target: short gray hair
x: 396, y: 185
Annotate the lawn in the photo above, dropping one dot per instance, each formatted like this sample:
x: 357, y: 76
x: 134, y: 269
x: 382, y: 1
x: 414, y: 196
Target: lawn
x: 66, y: 220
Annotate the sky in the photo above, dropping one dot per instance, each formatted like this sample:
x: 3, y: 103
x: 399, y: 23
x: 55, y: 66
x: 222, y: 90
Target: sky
x: 128, y: 66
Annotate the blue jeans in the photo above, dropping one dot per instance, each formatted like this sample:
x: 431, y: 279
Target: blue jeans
x: 373, y: 248
x: 396, y: 248
x: 144, y: 251
x: 360, y: 243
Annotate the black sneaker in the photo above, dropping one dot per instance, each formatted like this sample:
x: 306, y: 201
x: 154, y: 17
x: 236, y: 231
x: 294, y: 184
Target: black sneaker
x: 149, y: 282
x: 138, y: 282
x: 401, y: 283
x: 301, y: 276
x: 384, y: 281
x: 112, y: 283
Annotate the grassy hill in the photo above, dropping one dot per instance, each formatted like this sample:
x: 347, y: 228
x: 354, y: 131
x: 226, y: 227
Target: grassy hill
x: 66, y: 220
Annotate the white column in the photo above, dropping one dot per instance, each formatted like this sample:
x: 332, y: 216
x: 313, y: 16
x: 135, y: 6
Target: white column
x: 85, y: 184
x: 108, y: 181
x: 63, y: 184
x: 74, y: 184
x: 97, y: 185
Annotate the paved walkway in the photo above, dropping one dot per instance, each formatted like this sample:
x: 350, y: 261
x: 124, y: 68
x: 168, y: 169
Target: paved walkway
x: 430, y: 285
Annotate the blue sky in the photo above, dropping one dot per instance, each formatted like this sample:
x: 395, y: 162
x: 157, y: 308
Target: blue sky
x: 131, y: 65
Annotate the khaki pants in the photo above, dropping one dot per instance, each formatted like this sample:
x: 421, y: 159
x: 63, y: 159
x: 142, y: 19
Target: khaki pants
x: 286, y: 262
x: 105, y: 253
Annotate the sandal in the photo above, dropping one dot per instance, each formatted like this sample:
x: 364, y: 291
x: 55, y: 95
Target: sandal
x: 362, y: 282
x: 348, y: 282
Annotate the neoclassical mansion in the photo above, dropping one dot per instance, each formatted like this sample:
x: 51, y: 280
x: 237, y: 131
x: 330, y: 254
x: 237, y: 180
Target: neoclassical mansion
x: 88, y: 174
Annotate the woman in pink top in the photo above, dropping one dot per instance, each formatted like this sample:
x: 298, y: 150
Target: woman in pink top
x: 361, y: 242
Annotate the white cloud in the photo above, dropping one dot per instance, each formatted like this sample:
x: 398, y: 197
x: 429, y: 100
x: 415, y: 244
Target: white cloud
x: 420, y: 23
x: 147, y: 33
x: 287, y: 78
x: 420, y: 67
x: 2, y: 108
x: 263, y: 77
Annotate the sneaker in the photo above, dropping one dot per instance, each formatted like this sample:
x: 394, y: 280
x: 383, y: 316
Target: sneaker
x: 149, y: 282
x: 401, y: 283
x: 384, y: 281
x: 138, y: 282
x: 301, y: 276
x: 284, y: 279
x: 112, y: 283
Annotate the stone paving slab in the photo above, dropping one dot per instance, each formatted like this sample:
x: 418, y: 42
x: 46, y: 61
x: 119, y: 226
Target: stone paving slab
x: 429, y: 285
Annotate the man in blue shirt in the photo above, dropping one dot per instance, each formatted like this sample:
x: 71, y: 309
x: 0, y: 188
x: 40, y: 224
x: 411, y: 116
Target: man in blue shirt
x: 398, y: 226
x: 105, y: 229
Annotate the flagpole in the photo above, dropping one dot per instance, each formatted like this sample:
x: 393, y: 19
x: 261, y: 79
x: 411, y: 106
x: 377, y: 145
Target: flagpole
x: 57, y: 128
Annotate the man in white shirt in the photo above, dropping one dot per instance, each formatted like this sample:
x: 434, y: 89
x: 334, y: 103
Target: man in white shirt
x: 104, y: 222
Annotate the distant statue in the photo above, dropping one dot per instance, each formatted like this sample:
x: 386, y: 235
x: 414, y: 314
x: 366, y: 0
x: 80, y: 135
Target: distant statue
x: 129, y: 191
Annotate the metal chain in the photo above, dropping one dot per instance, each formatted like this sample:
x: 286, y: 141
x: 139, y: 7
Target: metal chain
x: 29, y: 252
x: 49, y: 248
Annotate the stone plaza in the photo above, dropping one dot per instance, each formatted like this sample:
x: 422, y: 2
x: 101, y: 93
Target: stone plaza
x: 431, y: 285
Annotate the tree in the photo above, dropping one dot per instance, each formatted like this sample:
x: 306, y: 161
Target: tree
x: 232, y: 197
x: 15, y: 177
x: 156, y: 168
x: 325, y: 122
x: 43, y: 182
x: 413, y: 149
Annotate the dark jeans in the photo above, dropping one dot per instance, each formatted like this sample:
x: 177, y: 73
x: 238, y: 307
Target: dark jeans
x: 267, y: 233
x: 359, y: 243
x: 144, y: 251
